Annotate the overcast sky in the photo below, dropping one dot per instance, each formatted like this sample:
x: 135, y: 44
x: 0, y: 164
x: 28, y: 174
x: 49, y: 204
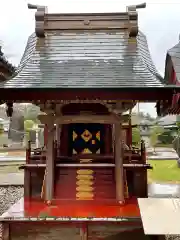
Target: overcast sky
x: 160, y: 21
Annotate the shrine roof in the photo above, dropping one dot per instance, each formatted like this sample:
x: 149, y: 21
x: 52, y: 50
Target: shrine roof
x: 173, y: 60
x: 86, y: 59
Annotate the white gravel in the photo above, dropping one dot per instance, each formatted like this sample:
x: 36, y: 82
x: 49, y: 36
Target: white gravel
x: 9, y: 196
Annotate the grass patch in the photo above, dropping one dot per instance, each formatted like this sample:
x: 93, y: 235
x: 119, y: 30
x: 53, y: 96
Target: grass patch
x: 164, y: 171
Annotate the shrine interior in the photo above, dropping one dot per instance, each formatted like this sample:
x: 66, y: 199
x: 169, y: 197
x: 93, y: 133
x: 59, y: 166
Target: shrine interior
x: 84, y: 159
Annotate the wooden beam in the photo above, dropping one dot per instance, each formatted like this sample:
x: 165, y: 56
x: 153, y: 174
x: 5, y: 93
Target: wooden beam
x: 119, y: 163
x: 128, y: 165
x: 49, y: 188
x: 41, y: 165
x: 103, y: 119
x: 67, y: 119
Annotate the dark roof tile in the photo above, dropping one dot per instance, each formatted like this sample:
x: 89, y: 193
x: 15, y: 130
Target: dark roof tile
x: 86, y: 59
x: 174, y: 54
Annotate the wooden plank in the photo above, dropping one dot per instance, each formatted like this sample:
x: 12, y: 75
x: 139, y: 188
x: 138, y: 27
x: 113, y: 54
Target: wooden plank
x: 78, y: 156
x: 160, y: 216
x: 79, y: 25
x: 103, y: 119
x: 70, y: 165
x: 68, y: 119
x: 34, y: 165
x: 89, y: 21
x: 27, y: 183
x: 119, y: 163
x: 88, y: 156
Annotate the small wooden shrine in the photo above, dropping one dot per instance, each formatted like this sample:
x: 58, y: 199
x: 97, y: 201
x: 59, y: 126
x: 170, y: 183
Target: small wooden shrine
x: 84, y: 71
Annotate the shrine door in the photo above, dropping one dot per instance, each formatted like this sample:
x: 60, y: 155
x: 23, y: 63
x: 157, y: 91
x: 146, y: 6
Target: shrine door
x: 86, y: 139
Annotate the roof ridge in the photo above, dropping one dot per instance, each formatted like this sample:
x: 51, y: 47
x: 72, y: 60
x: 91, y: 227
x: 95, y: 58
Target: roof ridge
x: 50, y: 63
x: 54, y: 21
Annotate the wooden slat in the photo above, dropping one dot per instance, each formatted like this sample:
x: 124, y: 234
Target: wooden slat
x: 70, y: 165
x: 87, y: 156
x: 130, y: 165
x: 160, y: 216
x: 68, y: 119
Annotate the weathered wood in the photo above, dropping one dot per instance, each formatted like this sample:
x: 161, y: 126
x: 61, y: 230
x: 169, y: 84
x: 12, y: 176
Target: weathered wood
x: 68, y: 119
x: 151, y: 94
x: 88, y: 156
x: 5, y: 231
x: 87, y: 21
x: 129, y: 154
x: 86, y: 24
x: 119, y: 163
x: 143, y: 151
x: 28, y: 152
x: 130, y: 165
x: 40, y: 19
x: 69, y: 165
x: 140, y: 183
x: 77, y: 157
x: 133, y: 18
x: 84, y: 232
x: 49, y: 189
x: 27, y: 183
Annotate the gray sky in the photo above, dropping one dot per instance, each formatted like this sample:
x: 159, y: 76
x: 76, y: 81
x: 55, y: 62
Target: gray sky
x: 160, y: 21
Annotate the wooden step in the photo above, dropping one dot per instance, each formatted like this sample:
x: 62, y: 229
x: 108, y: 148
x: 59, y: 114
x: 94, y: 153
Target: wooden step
x: 98, y: 183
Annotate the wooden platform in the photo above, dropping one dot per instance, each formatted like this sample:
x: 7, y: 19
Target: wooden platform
x: 73, y: 211
x: 160, y: 215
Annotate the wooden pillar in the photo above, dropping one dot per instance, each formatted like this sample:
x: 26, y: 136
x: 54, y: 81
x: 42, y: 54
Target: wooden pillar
x: 57, y: 132
x: 45, y: 134
x: 27, y: 173
x: 49, y: 187
x: 28, y: 152
x: 108, y: 139
x: 84, y: 232
x: 129, y: 134
x: 119, y: 163
x: 143, y: 152
x: 5, y: 231
x: 48, y: 120
x: 58, y: 136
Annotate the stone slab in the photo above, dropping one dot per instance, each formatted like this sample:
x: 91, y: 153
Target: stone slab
x: 14, y: 179
x: 160, y: 216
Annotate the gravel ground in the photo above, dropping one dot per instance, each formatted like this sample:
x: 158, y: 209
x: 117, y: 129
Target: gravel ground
x: 172, y: 237
x: 9, y: 196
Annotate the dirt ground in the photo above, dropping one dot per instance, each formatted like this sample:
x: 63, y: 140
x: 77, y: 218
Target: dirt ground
x: 16, y: 153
